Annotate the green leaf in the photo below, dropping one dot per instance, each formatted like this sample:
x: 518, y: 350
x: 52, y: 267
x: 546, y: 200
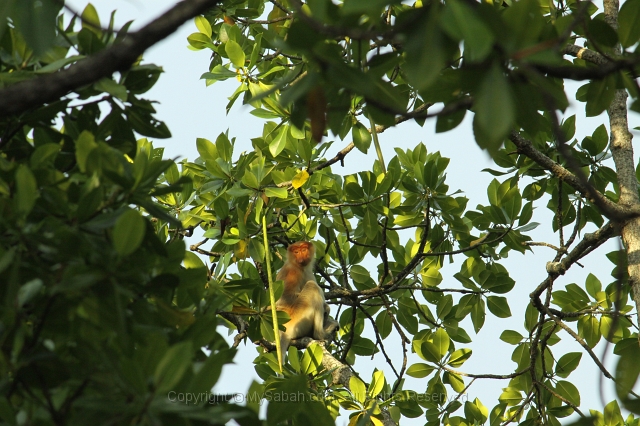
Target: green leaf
x: 494, y: 109
x: 199, y: 41
x: 429, y: 352
x: 88, y: 42
x: 478, y: 315
x: 357, y: 388
x: 36, y: 21
x: 612, y: 330
x: 512, y: 337
x: 444, y: 306
x: 28, y: 291
x: 525, y: 216
x: 589, y: 329
x: 370, y: 225
x: 462, y: 23
x: 91, y: 20
x: 425, y: 53
x: 629, y: 23
x: 84, y: 145
x: 376, y: 385
x: 441, y: 341
x: 256, y: 51
x: 569, y: 391
x: 419, y: 370
x: 236, y: 54
x: 600, y: 138
x: 593, y: 285
x: 628, y: 367
x: 259, y: 112
x: 569, y: 128
x: 599, y: 95
x: 312, y: 359
x: 172, y: 366
x: 459, y: 357
x: 431, y: 277
x: 144, y: 123
x: 384, y: 324
x: 266, y: 326
x: 207, y: 149
x: 363, y: 346
x: 492, y: 193
x: 612, y: 415
x: 450, y: 121
x: 26, y: 190
x: 203, y: 25
x: 510, y: 397
x: 128, y: 232
x: 209, y: 373
x: 602, y: 33
x: 370, y: 7
x: 279, y: 141
x: 531, y: 317
x: 111, y: 87
x: 521, y: 355
x: 476, y: 411
x: 44, y: 155
x: 567, y: 363
x: 276, y: 192
x: 192, y: 261
x: 359, y: 274
x: 454, y: 380
x: 219, y: 73
x: 361, y: 137
x: 56, y: 65
x: 499, y: 306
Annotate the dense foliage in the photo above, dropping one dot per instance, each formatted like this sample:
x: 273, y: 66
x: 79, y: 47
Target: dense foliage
x: 96, y: 282
x: 107, y: 318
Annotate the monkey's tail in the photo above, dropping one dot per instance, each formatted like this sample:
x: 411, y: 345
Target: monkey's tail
x: 284, y: 346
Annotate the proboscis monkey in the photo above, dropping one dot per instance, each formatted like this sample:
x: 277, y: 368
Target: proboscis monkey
x: 302, y: 298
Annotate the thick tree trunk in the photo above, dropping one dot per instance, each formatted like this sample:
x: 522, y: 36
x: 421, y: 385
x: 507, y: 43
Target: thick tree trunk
x: 622, y: 151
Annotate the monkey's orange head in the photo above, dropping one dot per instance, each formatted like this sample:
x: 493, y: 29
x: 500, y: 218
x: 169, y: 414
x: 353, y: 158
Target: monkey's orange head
x: 301, y: 252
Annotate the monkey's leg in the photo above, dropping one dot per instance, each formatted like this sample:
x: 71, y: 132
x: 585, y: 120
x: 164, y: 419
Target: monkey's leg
x: 330, y: 326
x: 300, y: 324
x: 317, y: 308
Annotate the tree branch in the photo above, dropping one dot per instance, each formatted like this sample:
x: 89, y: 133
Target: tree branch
x: 573, y: 72
x: 585, y: 54
x: 21, y: 96
x: 609, y: 208
x: 585, y: 246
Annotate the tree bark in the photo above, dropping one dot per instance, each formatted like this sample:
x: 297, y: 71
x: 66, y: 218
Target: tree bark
x: 622, y: 151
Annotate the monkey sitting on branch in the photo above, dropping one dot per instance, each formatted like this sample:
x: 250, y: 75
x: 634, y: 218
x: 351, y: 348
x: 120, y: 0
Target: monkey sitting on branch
x: 302, y: 298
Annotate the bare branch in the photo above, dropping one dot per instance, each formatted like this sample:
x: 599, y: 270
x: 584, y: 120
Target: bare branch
x: 486, y: 376
x: 585, y: 246
x: 542, y: 244
x: 573, y: 72
x: 21, y: 96
x: 585, y: 54
x: 609, y: 208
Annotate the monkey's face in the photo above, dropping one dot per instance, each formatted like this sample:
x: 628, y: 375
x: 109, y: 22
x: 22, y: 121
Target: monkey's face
x: 301, y: 253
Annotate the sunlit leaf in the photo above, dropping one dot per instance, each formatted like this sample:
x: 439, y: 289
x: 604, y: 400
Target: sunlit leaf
x: 128, y: 232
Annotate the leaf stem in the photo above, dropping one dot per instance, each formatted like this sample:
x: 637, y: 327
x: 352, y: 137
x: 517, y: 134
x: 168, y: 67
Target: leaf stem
x: 376, y: 142
x: 272, y: 296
